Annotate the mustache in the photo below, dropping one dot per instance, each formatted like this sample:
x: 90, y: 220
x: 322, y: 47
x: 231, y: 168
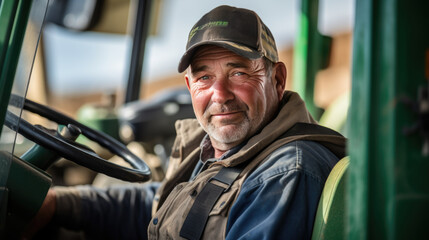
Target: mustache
x: 230, y: 106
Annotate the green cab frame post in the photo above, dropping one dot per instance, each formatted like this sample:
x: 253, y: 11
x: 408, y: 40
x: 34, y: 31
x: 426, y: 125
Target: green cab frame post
x: 389, y: 190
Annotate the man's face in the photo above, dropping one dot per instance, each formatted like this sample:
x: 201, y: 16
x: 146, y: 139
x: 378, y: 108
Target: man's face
x: 232, y: 96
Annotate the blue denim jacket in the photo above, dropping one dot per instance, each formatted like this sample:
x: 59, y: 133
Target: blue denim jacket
x: 280, y: 198
x: 277, y: 201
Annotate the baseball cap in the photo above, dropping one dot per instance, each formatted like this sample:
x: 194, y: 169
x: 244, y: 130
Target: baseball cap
x: 236, y: 29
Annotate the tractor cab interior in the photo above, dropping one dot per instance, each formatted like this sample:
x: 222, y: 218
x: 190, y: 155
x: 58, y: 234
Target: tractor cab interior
x: 368, y: 81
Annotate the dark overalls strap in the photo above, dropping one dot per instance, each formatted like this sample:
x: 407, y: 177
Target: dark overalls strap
x: 196, y: 221
x: 309, y: 129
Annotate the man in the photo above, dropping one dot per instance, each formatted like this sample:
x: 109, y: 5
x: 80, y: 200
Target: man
x: 241, y: 170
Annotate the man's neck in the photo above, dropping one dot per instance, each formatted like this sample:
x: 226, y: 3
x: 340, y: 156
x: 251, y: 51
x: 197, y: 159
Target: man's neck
x: 221, y: 148
x: 212, y: 149
x: 218, y: 153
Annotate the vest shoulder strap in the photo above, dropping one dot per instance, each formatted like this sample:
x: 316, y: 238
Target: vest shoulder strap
x: 301, y: 128
x: 196, y: 220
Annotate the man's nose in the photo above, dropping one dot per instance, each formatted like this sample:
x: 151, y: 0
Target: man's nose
x: 222, y: 91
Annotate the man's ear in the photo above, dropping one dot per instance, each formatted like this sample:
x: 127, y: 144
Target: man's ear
x: 187, y: 82
x: 280, y: 75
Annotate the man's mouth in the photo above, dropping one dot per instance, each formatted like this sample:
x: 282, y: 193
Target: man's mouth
x: 227, y: 116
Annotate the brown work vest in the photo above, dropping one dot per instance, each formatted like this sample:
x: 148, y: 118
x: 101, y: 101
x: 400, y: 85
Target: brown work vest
x: 177, y: 194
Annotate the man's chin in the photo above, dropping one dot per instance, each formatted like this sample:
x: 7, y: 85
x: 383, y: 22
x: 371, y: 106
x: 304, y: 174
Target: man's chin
x: 227, y: 134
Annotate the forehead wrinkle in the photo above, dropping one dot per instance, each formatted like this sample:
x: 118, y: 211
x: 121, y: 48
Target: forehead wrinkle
x: 247, y: 64
x: 234, y: 64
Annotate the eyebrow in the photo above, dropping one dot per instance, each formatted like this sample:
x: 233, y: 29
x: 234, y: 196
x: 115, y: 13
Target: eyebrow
x: 230, y: 64
x: 198, y: 69
x: 237, y: 65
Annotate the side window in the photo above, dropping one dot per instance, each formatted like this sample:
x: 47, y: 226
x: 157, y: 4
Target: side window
x: 86, y: 62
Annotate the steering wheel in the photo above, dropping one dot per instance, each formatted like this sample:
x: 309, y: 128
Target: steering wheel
x: 139, y: 172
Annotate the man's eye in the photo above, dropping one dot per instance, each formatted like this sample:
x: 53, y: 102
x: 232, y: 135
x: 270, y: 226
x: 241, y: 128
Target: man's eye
x: 238, y: 74
x: 204, y: 78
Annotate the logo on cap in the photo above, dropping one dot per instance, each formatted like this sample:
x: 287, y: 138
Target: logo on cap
x: 207, y: 25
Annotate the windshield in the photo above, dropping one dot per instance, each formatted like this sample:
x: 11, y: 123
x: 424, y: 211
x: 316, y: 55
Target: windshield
x: 9, y: 138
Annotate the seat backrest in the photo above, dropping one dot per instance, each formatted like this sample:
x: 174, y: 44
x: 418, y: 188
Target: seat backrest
x: 330, y: 217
